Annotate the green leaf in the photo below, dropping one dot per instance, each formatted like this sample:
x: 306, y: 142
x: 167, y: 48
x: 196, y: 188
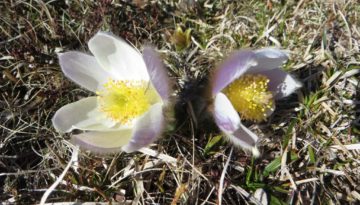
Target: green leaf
x: 272, y: 167
x: 293, y: 156
x: 211, y: 143
x: 249, y: 173
x: 280, y: 189
x: 324, y: 40
x: 181, y: 39
x: 289, y: 132
x: 311, y: 154
x: 256, y: 185
x: 276, y: 163
x: 276, y: 201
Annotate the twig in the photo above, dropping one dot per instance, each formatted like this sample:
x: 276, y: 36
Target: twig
x: 221, y: 183
x: 74, y: 158
x: 246, y: 194
x: 163, y: 157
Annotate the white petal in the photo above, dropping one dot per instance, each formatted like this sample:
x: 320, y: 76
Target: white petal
x: 103, y: 142
x: 261, y: 196
x: 83, y: 115
x: 83, y: 69
x: 147, y: 129
x: 268, y: 58
x: 281, y: 83
x: 225, y: 115
x: 157, y: 72
x: 232, y: 68
x: 117, y: 57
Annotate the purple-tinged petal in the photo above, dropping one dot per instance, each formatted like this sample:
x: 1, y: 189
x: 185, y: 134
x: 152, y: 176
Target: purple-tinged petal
x: 226, y: 117
x: 103, y: 142
x: 281, y: 83
x: 228, y: 120
x: 147, y: 129
x: 268, y: 59
x: 157, y: 72
x: 83, y: 115
x: 243, y: 137
x: 83, y: 69
x: 117, y: 57
x: 232, y: 68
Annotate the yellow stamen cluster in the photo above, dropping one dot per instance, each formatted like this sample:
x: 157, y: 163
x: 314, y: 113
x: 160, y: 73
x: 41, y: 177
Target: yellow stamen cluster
x: 250, y: 96
x: 124, y: 100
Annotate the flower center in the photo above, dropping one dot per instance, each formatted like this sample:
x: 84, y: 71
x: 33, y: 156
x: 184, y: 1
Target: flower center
x: 250, y: 96
x: 124, y: 100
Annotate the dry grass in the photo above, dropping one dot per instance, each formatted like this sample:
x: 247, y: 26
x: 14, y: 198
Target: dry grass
x: 306, y: 145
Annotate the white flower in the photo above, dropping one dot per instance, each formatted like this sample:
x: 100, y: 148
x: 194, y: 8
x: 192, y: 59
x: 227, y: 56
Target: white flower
x: 127, y: 113
x: 248, y: 82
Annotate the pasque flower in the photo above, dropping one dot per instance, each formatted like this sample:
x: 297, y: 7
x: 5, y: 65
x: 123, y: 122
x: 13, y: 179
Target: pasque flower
x: 248, y: 82
x: 131, y: 90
